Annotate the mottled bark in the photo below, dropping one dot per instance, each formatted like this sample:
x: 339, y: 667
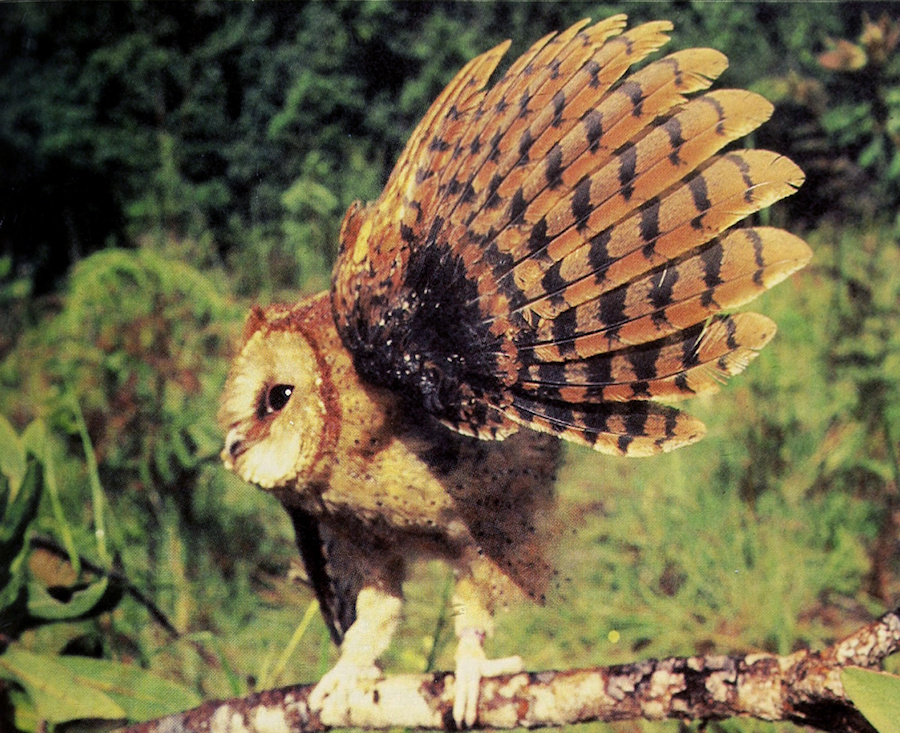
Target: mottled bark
x: 804, y: 687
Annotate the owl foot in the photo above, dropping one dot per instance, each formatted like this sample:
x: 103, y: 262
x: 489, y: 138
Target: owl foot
x: 334, y: 694
x: 471, y: 666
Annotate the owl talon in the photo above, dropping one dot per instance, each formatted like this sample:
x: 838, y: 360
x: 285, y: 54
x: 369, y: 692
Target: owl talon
x: 334, y: 694
x: 471, y: 666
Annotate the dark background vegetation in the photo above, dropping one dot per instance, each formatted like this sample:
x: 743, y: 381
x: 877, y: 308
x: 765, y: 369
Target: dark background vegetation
x: 164, y: 165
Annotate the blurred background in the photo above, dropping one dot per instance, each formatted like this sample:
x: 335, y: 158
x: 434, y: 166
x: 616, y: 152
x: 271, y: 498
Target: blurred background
x: 165, y: 165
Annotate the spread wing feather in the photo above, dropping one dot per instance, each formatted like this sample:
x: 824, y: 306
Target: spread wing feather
x: 691, y: 361
x: 554, y: 252
x: 508, y: 145
x: 563, y: 156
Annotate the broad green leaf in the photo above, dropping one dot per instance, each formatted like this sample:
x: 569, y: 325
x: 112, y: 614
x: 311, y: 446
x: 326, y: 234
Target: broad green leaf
x: 26, y: 717
x: 207, y: 441
x: 13, y: 551
x: 876, y: 695
x: 872, y: 153
x: 42, y: 605
x: 34, y: 438
x: 141, y: 694
x: 19, y: 513
x: 181, y: 450
x: 161, y: 463
x: 57, y: 692
x: 12, y: 600
x: 37, y: 440
x: 12, y: 455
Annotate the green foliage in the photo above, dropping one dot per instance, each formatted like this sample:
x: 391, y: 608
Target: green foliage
x: 140, y: 340
x: 137, y: 337
x: 57, y: 698
x: 864, y: 333
x: 876, y: 695
x: 46, y: 687
x: 20, y: 491
x: 131, y: 471
x: 708, y: 571
x: 221, y: 142
x: 863, y: 119
x: 14, y: 292
x: 181, y: 121
x: 28, y: 470
x: 62, y: 689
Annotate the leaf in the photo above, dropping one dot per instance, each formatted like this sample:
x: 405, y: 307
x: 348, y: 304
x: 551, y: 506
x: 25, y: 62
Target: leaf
x: 26, y: 717
x: 19, y: 513
x: 98, y: 498
x: 57, y: 693
x: 305, y: 192
x: 12, y: 603
x: 876, y: 695
x: 82, y: 603
x: 36, y: 439
x: 12, y: 455
x: 161, y: 463
x: 141, y: 694
x: 181, y: 450
x: 849, y: 122
x: 872, y: 153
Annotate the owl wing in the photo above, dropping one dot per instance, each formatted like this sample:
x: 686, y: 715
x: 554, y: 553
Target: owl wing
x: 555, y: 251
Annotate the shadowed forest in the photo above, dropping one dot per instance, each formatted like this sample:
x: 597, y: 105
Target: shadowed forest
x: 163, y: 166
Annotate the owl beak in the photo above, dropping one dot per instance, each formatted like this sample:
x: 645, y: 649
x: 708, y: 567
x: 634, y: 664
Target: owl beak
x: 234, y: 446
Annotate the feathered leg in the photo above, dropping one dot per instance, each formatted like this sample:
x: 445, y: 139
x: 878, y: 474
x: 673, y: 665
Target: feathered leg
x: 473, y: 623
x: 377, y: 616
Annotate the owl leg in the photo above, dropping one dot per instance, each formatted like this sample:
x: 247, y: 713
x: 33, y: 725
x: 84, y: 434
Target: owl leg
x: 377, y: 616
x: 474, y: 622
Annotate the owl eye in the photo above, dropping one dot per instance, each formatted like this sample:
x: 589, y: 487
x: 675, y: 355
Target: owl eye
x: 278, y: 397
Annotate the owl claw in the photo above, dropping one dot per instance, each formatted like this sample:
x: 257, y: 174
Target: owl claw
x: 333, y: 696
x: 471, y: 667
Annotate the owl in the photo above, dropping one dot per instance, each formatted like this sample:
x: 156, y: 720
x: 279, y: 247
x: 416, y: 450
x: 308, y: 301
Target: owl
x: 551, y: 258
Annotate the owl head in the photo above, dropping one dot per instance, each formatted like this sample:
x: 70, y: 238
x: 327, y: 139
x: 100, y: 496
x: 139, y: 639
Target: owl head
x: 272, y: 410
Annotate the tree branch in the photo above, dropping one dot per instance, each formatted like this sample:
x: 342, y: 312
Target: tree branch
x: 804, y: 688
